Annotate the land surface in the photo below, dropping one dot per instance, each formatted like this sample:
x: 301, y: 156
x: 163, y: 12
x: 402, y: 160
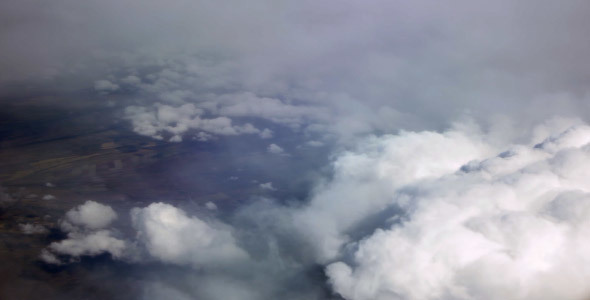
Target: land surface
x: 56, y: 152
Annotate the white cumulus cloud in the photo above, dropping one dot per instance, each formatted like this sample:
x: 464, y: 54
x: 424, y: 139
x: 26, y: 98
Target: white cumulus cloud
x: 87, y: 234
x: 366, y: 179
x: 81, y: 243
x: 91, y: 215
x: 171, y: 236
x: 513, y: 226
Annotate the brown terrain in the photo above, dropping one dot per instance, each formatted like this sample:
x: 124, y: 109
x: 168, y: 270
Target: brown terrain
x: 56, y: 154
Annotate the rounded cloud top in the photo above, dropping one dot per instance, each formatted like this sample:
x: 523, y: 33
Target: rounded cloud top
x: 91, y: 215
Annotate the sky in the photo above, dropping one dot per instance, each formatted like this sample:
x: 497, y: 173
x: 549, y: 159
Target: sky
x: 454, y: 140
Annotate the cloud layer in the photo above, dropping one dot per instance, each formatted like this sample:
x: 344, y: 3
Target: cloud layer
x: 512, y: 226
x: 414, y: 216
x: 330, y: 70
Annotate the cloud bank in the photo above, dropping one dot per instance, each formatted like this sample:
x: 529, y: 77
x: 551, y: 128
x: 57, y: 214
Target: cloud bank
x: 414, y: 216
x: 331, y: 71
x: 512, y: 226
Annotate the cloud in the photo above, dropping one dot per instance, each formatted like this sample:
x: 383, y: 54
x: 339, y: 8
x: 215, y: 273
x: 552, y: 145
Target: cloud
x: 90, y: 215
x: 267, y: 186
x: 29, y: 228
x: 83, y: 243
x: 87, y: 234
x: 105, y: 86
x: 49, y: 257
x: 366, y: 179
x: 198, y: 257
x: 413, y: 216
x: 378, y: 84
x: 266, y: 133
x: 163, y: 231
x: 341, y: 71
x: 173, y: 237
x: 250, y: 105
x: 211, y: 206
x: 521, y: 214
x: 48, y: 197
x: 176, y: 121
x: 275, y: 149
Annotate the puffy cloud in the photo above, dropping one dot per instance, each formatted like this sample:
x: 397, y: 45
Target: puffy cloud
x: 220, y: 268
x: 87, y: 236
x: 164, y: 232
x: 178, y: 120
x: 173, y: 237
x: 49, y: 257
x: 275, y: 149
x: 512, y: 226
x: 366, y: 179
x: 89, y: 243
x: 91, y: 215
